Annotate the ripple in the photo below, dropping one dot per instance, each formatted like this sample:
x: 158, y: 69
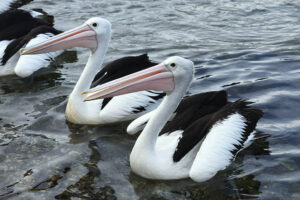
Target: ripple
x: 249, y: 48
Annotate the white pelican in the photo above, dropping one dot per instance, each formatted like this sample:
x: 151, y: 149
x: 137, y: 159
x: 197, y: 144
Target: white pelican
x: 95, y: 34
x: 19, y: 28
x: 198, y: 139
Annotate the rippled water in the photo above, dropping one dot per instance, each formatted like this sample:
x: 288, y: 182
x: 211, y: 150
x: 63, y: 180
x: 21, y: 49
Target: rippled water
x: 249, y: 48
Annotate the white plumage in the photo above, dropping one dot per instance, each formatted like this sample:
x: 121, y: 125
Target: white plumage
x: 215, y: 151
x: 126, y: 107
x: 139, y: 123
x: 209, y: 156
x: 8, y: 68
x: 25, y: 65
x: 28, y: 64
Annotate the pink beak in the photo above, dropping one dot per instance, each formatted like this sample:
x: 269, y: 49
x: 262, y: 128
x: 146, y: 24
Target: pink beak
x: 82, y: 36
x: 154, y: 78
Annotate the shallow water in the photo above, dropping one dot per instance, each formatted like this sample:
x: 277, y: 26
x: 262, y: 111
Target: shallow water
x: 250, y: 49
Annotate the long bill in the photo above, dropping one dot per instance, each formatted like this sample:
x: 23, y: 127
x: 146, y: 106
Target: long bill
x: 157, y: 78
x: 81, y: 36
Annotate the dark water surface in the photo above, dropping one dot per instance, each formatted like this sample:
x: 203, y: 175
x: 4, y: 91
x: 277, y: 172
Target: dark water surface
x: 249, y: 48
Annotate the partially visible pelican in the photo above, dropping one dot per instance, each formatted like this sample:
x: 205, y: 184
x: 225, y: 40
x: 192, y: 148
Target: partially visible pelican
x: 95, y: 35
x: 197, y: 139
x: 19, y: 28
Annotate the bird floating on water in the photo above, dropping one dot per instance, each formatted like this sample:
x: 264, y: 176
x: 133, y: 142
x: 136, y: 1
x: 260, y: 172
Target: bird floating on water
x: 197, y: 139
x: 19, y: 28
x: 95, y: 35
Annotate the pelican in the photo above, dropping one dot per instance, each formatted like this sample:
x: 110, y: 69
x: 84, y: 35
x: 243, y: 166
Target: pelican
x: 197, y: 139
x: 19, y: 28
x: 95, y: 35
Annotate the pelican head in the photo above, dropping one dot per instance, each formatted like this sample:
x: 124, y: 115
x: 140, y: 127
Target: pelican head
x: 175, y: 72
x: 88, y: 35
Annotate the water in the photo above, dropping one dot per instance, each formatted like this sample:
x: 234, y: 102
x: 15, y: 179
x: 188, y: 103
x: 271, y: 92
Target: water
x: 251, y: 49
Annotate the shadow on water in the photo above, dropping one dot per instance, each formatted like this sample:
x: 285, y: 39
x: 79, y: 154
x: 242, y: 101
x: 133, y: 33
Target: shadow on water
x: 237, y: 186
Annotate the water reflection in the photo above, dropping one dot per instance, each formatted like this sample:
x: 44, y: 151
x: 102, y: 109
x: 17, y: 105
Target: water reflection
x: 86, y: 187
x: 217, y: 188
x: 107, y: 170
x: 37, y: 163
x: 43, y: 79
x: 232, y: 183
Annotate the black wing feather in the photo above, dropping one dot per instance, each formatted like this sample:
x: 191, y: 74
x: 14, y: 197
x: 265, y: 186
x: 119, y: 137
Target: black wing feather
x: 17, y: 44
x: 119, y: 68
x: 22, y: 27
x: 14, y: 4
x: 194, y: 107
x: 199, y: 128
x: 18, y: 23
x: 19, y: 3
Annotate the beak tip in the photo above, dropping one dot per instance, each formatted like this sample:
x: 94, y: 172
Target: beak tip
x: 24, y: 51
x: 21, y: 51
x: 87, y: 99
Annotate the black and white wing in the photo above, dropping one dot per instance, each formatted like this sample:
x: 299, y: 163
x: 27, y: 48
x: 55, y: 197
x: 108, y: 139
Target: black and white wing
x: 189, y: 109
x: 234, y: 131
x: 223, y: 128
x: 12, y: 4
x: 129, y: 106
x: 19, y: 28
x: 28, y: 64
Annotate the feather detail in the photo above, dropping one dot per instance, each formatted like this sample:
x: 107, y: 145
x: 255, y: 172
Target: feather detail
x: 11, y: 4
x: 28, y: 64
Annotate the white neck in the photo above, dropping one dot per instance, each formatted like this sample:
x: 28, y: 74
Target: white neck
x: 147, y: 140
x: 93, y: 65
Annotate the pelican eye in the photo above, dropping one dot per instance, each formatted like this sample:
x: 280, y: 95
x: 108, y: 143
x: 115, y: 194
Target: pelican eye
x: 94, y: 24
x: 173, y: 65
